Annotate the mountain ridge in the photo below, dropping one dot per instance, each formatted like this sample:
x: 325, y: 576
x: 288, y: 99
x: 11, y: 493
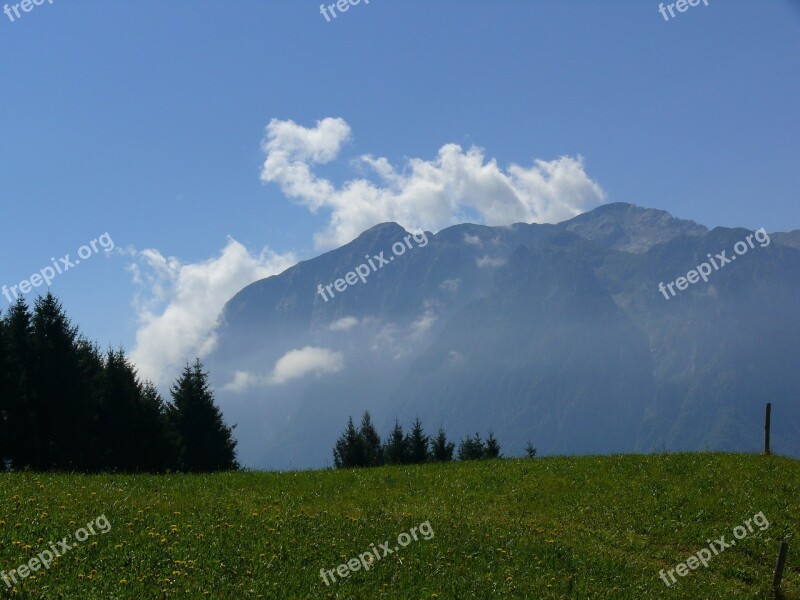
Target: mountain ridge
x: 553, y: 332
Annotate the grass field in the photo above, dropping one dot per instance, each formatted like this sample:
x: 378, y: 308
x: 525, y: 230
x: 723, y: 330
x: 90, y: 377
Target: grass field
x: 588, y: 527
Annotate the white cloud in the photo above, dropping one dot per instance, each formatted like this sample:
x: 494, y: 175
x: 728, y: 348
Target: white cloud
x: 290, y: 149
x: 426, y: 194
x: 488, y: 261
x: 292, y: 365
x: 399, y: 340
x: 343, y: 324
x: 423, y: 323
x: 472, y: 240
x: 299, y: 363
x: 450, y: 285
x: 385, y: 341
x: 455, y: 357
x: 242, y: 380
x: 178, y: 303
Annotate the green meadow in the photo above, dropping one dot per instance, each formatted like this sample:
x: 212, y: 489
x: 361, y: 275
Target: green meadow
x: 564, y: 527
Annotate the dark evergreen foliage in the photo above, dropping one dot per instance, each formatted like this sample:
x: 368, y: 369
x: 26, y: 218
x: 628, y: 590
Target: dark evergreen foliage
x: 66, y: 407
x: 395, y: 450
x: 349, y: 449
x: 530, y: 451
x: 205, y: 443
x: 20, y: 422
x: 492, y: 447
x: 361, y: 447
x: 371, y: 441
x: 417, y: 444
x: 471, y: 448
x: 441, y: 449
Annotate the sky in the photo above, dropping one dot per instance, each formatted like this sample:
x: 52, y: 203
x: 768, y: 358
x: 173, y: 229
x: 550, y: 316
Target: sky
x: 213, y: 144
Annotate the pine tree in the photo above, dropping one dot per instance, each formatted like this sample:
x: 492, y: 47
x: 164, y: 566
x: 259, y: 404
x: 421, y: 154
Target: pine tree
x: 22, y: 434
x: 63, y: 406
x: 118, y: 429
x: 161, y: 451
x: 349, y: 451
x: 92, y: 368
x: 471, y: 448
x: 395, y: 450
x: 206, y: 444
x: 418, y: 444
x: 492, y: 449
x: 134, y: 430
x: 61, y: 394
x: 373, y: 453
x: 5, y: 398
x: 530, y: 451
x: 441, y: 449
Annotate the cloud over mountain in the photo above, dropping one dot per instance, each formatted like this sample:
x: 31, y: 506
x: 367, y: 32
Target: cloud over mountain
x: 178, y: 303
x: 457, y: 185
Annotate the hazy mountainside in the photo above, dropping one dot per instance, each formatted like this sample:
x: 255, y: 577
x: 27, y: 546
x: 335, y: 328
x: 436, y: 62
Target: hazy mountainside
x: 791, y: 238
x: 630, y: 228
x: 554, y: 333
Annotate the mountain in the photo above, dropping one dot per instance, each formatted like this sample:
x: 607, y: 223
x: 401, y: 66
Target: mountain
x: 626, y: 227
x: 555, y: 333
x: 791, y: 238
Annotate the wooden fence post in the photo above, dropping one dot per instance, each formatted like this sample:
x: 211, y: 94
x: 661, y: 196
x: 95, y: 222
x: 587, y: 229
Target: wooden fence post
x: 776, y: 578
x: 766, y: 429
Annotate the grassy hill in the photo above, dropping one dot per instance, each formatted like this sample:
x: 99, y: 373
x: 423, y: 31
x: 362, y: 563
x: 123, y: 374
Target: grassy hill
x: 586, y: 527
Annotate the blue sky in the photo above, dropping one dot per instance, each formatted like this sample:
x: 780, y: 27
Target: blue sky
x: 147, y: 121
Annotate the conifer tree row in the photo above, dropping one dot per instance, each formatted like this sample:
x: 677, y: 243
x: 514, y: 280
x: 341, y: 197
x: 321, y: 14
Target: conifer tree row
x: 64, y: 406
x: 362, y: 447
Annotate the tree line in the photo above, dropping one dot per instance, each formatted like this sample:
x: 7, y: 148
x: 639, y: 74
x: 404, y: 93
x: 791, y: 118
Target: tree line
x: 66, y: 406
x: 362, y: 447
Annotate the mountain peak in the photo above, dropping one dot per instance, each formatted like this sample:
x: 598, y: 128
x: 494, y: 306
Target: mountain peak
x: 631, y: 228
x: 379, y: 233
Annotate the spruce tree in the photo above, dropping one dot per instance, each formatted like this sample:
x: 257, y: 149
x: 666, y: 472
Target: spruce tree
x: 395, y: 450
x: 492, y: 449
x: 64, y: 406
x: 349, y: 451
x: 134, y: 430
x: 92, y: 367
x: 118, y: 429
x: 61, y: 394
x: 530, y: 451
x: 373, y: 453
x: 206, y: 444
x: 471, y: 448
x: 418, y: 444
x: 441, y: 449
x: 160, y: 452
x: 23, y: 436
x: 5, y: 398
